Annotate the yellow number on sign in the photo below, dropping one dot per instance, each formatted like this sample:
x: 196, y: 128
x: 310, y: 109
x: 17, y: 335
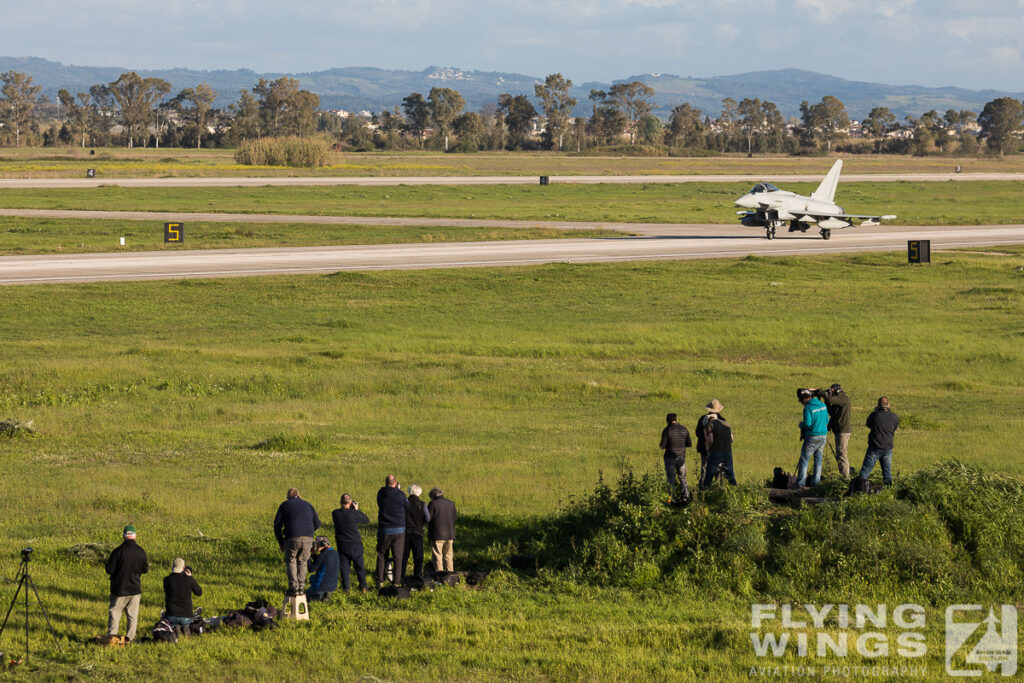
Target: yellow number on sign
x: 914, y: 249
x: 173, y: 233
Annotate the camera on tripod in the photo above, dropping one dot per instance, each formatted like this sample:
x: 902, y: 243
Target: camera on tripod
x: 25, y: 552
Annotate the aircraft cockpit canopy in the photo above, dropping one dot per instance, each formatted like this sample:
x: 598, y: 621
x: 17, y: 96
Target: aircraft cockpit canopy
x: 764, y: 187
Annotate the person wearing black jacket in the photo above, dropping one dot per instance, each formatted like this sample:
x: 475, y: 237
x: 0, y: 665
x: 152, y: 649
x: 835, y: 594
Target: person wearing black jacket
x: 882, y: 424
x: 713, y: 408
x: 442, y: 530
x: 719, y: 450
x: 126, y: 565
x: 348, y: 540
x: 839, y: 410
x: 179, y: 587
x: 324, y: 566
x: 415, y: 514
x: 391, y: 505
x: 675, y: 439
x: 294, y: 525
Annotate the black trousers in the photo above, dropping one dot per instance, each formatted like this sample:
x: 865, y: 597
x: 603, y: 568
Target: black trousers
x: 393, y: 544
x: 351, y: 554
x: 414, y: 546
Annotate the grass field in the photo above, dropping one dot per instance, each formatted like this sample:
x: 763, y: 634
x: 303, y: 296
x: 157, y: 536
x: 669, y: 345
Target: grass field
x: 118, y: 163
x: 53, y: 235
x: 189, y: 407
x: 973, y: 203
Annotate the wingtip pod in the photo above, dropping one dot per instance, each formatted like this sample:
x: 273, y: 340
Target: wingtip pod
x: 890, y: 217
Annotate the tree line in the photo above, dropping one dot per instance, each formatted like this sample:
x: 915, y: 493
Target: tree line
x: 134, y: 111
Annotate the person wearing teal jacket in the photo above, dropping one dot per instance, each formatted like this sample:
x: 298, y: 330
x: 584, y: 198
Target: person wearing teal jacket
x: 814, y: 433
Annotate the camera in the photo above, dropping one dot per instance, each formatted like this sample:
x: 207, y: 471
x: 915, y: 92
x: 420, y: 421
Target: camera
x: 25, y: 552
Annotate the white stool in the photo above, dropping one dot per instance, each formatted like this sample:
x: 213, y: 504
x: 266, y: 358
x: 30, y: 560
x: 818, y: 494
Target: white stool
x: 295, y: 607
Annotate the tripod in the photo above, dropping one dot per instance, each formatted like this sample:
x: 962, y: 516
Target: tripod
x: 25, y: 581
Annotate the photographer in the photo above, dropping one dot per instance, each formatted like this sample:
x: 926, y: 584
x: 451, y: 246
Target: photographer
x: 323, y: 567
x: 391, y: 505
x: 347, y: 519
x: 126, y: 565
x: 179, y: 587
x: 675, y: 438
x: 839, y: 410
x: 813, y: 433
x: 294, y: 525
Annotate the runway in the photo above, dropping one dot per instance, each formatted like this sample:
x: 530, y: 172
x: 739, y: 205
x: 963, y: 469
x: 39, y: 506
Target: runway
x: 656, y: 243
x: 50, y: 183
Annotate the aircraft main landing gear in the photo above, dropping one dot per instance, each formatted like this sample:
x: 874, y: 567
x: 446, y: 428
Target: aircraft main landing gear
x: 769, y: 232
x: 825, y: 233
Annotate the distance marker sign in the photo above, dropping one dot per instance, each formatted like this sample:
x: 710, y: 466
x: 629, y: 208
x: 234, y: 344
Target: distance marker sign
x: 174, y: 233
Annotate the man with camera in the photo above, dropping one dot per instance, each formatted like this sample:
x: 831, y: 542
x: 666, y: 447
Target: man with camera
x: 882, y: 424
x: 126, y: 565
x: 347, y: 519
x: 675, y: 439
x: 391, y: 506
x: 813, y: 432
x: 294, y: 525
x: 179, y: 587
x: 839, y: 410
x: 324, y: 566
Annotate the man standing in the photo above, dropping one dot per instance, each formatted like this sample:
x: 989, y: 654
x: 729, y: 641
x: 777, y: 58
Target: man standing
x: 814, y: 433
x: 324, y: 579
x: 179, y: 587
x: 713, y: 408
x: 294, y: 525
x: 882, y: 424
x: 126, y: 565
x: 442, y: 530
x: 391, y: 504
x: 718, y: 441
x: 346, y: 520
x: 839, y: 409
x: 415, y: 514
x: 675, y: 438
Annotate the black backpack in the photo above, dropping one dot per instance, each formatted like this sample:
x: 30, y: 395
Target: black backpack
x: 399, y: 592
x: 859, y: 485
x: 783, y: 480
x: 413, y: 582
x: 163, y: 632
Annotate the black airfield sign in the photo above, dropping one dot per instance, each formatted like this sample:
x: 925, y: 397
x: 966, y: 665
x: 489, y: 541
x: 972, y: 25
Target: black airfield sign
x: 919, y: 251
x: 174, y: 233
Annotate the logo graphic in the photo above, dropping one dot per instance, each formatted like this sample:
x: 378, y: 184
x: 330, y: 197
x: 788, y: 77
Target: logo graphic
x: 978, y: 642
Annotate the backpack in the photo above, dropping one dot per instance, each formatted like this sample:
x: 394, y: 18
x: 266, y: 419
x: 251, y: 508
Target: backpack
x: 475, y: 578
x: 783, y: 480
x: 413, y: 582
x: 163, y: 632
x: 400, y: 592
x: 859, y: 485
x: 709, y: 435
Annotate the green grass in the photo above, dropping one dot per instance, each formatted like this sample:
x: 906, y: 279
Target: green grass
x: 118, y: 163
x: 966, y: 203
x: 513, y: 389
x: 70, y: 236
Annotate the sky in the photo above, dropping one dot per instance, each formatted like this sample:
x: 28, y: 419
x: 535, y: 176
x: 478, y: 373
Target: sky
x: 976, y: 44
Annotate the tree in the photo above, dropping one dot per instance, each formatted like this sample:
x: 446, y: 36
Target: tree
x: 469, y: 127
x: 1000, y: 120
x: 19, y: 99
x: 444, y: 105
x: 751, y: 120
x: 826, y: 121
x: 608, y: 123
x: 201, y: 100
x: 390, y: 125
x: 774, y: 127
x: 245, y: 117
x: 417, y: 114
x: 136, y: 98
x: 728, y: 123
x: 557, y: 105
x: 284, y: 108
x: 519, y: 114
x: 685, y: 128
x: 878, y: 122
x: 631, y: 100
x: 77, y: 113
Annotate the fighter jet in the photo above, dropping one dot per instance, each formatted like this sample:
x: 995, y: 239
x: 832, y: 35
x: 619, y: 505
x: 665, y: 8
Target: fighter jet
x: 771, y: 208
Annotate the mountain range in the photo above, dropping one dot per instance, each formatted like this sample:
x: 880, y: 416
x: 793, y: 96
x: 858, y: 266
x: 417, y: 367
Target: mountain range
x: 374, y: 89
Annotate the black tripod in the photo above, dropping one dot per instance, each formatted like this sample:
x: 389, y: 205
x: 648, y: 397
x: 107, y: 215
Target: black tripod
x: 25, y: 581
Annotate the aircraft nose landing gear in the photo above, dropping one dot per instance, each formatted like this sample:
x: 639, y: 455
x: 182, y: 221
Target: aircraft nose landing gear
x: 825, y: 233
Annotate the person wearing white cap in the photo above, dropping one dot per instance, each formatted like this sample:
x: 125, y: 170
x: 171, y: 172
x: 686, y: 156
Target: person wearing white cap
x: 179, y: 587
x: 126, y: 565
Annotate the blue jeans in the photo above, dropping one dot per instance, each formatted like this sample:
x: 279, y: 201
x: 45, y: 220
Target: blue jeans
x: 715, y: 462
x: 179, y: 621
x: 675, y: 472
x: 815, y: 445
x: 872, y: 456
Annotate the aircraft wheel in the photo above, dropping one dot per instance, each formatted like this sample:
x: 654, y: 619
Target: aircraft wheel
x: 825, y: 234
x: 769, y: 233
x: 772, y: 236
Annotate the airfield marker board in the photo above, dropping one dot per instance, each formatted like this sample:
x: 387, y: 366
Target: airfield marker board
x: 174, y: 233
x: 919, y: 251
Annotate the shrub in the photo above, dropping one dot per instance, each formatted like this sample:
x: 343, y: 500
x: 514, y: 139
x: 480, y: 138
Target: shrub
x: 286, y: 151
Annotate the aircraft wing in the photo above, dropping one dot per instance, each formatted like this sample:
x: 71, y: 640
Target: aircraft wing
x: 838, y: 221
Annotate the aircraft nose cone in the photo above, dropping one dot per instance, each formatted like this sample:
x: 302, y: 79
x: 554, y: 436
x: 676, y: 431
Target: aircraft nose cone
x: 746, y: 201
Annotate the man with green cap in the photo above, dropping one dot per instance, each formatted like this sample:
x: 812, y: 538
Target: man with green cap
x: 126, y: 566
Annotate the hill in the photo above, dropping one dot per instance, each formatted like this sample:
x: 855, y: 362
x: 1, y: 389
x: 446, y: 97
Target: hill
x: 361, y: 87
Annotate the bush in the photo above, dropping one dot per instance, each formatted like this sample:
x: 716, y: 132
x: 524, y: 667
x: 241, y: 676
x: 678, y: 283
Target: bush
x: 946, y: 532
x: 286, y: 151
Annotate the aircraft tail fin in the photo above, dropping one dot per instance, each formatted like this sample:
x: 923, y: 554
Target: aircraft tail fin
x: 827, y: 190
